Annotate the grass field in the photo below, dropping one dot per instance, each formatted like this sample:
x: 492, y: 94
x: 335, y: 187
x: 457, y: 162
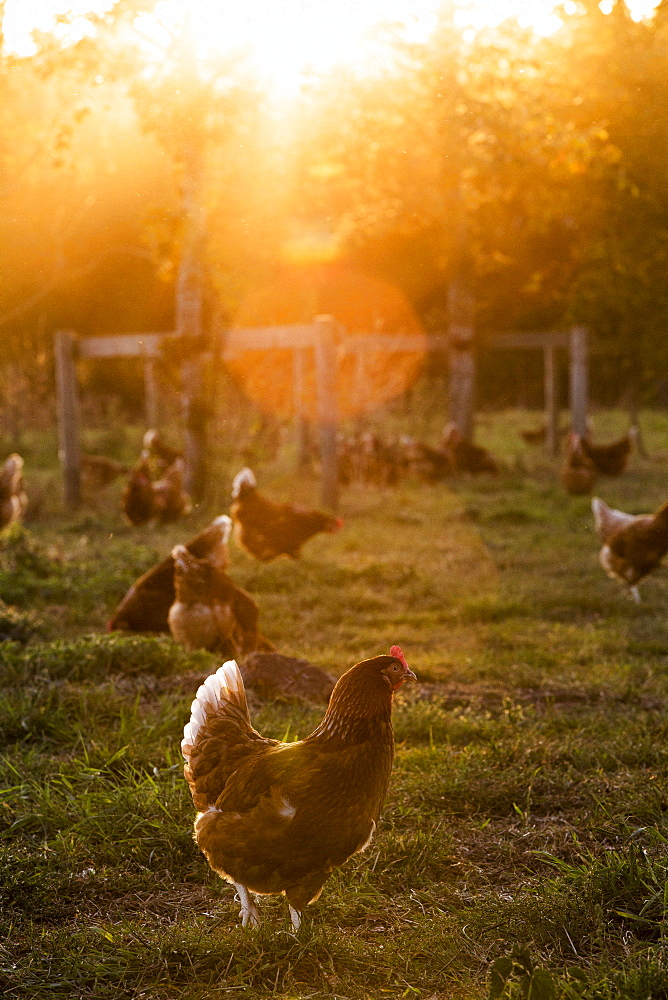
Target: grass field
x: 523, y: 849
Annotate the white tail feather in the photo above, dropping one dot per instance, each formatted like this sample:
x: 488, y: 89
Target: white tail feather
x: 607, y: 520
x: 226, y: 685
x: 225, y: 524
x: 247, y: 477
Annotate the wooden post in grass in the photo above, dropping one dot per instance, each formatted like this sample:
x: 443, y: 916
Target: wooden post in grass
x: 325, y: 369
x: 150, y: 391
x: 461, y: 307
x: 69, y: 450
x: 299, y: 359
x: 551, y: 402
x: 578, y: 379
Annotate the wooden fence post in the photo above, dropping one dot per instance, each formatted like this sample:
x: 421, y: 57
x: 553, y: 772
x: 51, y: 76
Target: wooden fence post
x: 579, y: 381
x: 150, y: 391
x: 299, y: 355
x: 325, y: 368
x: 551, y: 402
x: 462, y: 388
x: 461, y: 310
x: 69, y: 450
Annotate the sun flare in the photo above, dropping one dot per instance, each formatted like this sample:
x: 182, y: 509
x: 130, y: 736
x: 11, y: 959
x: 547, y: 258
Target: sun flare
x: 287, y: 42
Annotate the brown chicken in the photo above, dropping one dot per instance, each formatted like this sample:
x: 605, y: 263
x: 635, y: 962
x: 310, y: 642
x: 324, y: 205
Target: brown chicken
x: 97, y: 471
x: 464, y: 455
x: 146, y: 605
x: 137, y: 501
x: 159, y: 502
x: 13, y: 499
x: 265, y: 529
x: 578, y: 473
x: 170, y: 498
x: 210, y: 611
x: 426, y: 462
x: 611, y: 459
x: 633, y: 544
x: 160, y: 454
x: 536, y: 435
x: 280, y: 817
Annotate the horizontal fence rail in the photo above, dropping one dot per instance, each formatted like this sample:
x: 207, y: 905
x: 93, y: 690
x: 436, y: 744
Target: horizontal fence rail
x: 328, y: 340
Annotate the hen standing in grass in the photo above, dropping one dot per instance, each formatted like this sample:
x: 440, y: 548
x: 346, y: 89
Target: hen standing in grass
x: 266, y: 529
x: 164, y: 500
x: 578, y: 473
x: 13, y: 500
x: 633, y: 544
x: 611, y: 459
x: 210, y: 611
x: 98, y: 471
x: 280, y: 817
x: 158, y: 452
x: 464, y: 455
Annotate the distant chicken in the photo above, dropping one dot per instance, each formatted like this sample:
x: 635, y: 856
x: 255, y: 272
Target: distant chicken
x: 266, y: 529
x: 154, y: 448
x: 280, y: 817
x: 464, y: 455
x: 578, y: 473
x: 535, y: 435
x: 13, y: 499
x: 426, y: 462
x: 633, y: 544
x: 97, y: 471
x: 210, y: 611
x: 611, y: 459
x: 137, y: 501
x: 170, y: 498
x: 366, y: 457
x: 145, y: 501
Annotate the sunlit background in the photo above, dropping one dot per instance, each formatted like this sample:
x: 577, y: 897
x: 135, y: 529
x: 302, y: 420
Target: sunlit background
x: 286, y: 42
x: 507, y: 154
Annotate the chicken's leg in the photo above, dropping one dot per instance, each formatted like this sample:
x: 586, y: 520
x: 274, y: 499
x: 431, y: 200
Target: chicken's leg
x: 635, y: 594
x: 295, y: 917
x: 249, y: 912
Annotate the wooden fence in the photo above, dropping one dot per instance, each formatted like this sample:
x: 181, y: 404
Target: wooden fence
x: 323, y: 337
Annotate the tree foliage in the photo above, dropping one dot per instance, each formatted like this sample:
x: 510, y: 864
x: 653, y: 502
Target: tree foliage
x: 539, y: 164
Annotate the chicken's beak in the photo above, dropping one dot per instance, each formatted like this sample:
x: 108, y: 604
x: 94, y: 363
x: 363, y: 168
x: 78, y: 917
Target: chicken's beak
x: 407, y: 675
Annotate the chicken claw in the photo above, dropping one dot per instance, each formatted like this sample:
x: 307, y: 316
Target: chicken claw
x: 249, y: 913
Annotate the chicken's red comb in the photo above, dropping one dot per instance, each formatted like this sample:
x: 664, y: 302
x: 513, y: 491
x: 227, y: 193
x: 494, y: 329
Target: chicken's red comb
x: 396, y: 651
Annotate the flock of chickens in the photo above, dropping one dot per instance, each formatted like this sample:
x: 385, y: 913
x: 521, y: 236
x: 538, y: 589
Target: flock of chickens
x: 274, y: 817
x: 365, y: 457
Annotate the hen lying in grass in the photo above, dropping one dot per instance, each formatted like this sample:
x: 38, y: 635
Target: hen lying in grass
x: 210, y: 611
x: 146, y: 604
x: 280, y: 817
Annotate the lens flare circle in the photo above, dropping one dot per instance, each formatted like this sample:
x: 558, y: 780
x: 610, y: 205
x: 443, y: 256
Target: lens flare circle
x: 363, y: 307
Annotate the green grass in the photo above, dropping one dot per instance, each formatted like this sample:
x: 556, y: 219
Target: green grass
x: 523, y: 849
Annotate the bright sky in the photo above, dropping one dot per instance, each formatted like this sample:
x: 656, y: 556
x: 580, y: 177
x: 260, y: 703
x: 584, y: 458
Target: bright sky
x: 287, y: 38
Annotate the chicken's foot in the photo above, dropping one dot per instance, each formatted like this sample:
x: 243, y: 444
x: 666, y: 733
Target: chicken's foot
x: 249, y: 913
x: 295, y: 917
